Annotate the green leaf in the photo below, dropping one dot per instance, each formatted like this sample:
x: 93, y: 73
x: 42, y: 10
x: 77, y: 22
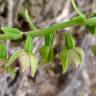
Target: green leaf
x: 94, y: 50
x: 69, y: 40
x: 28, y: 44
x: 11, y: 71
x: 34, y: 64
x: 3, y: 51
x: 64, y: 58
x: 13, y: 58
x: 12, y: 33
x: 91, y: 21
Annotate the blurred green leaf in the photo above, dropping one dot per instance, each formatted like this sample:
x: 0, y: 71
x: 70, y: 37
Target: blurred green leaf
x: 28, y: 44
x: 64, y: 58
x: 91, y: 21
x: 69, y: 40
x: 12, y: 33
x: 3, y: 51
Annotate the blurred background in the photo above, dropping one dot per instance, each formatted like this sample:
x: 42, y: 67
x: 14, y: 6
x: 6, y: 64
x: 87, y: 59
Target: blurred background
x: 49, y: 80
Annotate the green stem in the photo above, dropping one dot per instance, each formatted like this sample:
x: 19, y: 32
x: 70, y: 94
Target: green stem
x: 28, y: 18
x: 77, y: 21
x: 77, y: 9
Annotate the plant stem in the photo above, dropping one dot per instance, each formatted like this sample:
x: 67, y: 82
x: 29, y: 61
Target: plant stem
x: 77, y: 21
x: 77, y: 9
x: 28, y: 18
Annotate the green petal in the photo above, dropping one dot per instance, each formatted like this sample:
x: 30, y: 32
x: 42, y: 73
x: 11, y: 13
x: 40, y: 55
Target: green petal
x: 69, y: 40
x: 24, y: 61
x: 28, y: 44
x: 11, y: 71
x: 76, y: 56
x: 3, y: 51
x: 64, y: 58
x: 34, y: 64
x: 44, y: 52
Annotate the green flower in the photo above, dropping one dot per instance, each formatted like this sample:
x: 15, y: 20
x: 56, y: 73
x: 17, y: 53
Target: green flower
x: 26, y: 60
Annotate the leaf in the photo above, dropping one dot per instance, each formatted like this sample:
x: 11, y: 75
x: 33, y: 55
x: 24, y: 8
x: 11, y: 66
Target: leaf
x: 91, y: 21
x: 69, y: 40
x: 94, y: 50
x: 24, y: 61
x: 34, y: 64
x: 11, y: 71
x: 12, y: 33
x: 3, y: 51
x: 64, y: 58
x: 13, y: 58
x: 28, y: 44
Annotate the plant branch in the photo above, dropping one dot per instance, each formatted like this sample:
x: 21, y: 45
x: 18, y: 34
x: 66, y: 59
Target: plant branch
x: 77, y: 9
x: 77, y: 21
